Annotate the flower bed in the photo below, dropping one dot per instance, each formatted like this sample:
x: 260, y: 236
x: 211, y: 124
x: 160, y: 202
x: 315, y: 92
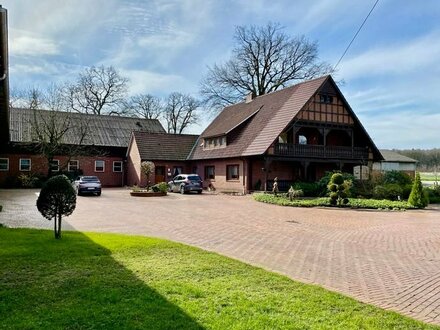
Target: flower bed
x: 147, y: 193
x: 325, y: 202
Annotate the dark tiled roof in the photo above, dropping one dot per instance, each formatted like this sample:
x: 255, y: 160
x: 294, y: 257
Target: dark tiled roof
x: 392, y: 156
x: 272, y: 113
x: 164, y: 146
x: 109, y: 131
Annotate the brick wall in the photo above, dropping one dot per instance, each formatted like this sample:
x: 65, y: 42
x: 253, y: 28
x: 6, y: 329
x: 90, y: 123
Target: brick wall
x: 133, y: 165
x: 135, y: 177
x: 86, y: 164
x: 220, y: 183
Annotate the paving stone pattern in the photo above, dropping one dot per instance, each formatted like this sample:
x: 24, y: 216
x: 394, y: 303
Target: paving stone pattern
x: 389, y: 259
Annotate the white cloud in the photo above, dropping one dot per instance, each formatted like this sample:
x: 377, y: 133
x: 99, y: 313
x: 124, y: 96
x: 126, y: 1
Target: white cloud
x: 22, y: 43
x: 397, y: 59
x: 142, y: 81
x: 411, y: 129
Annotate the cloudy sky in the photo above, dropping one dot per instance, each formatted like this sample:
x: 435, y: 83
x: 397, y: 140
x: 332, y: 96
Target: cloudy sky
x: 391, y: 74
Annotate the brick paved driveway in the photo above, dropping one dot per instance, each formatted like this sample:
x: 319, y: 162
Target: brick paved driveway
x: 390, y: 259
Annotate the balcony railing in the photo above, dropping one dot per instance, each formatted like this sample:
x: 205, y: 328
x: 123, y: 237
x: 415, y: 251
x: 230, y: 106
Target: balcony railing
x: 319, y: 151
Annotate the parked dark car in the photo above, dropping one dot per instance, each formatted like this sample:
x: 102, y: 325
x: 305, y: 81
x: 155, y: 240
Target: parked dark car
x: 184, y: 183
x: 87, y: 185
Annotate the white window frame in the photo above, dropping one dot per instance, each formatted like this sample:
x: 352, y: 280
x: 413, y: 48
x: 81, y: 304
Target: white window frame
x: 20, y: 165
x: 7, y: 165
x: 117, y: 161
x: 55, y: 165
x: 103, y: 165
x: 69, y: 167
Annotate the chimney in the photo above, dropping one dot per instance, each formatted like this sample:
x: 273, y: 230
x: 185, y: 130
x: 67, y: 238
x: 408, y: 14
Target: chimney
x: 250, y: 97
x: 4, y: 78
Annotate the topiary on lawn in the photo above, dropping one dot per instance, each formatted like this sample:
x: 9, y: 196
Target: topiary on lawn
x: 339, y: 189
x: 57, y: 198
x: 418, y: 198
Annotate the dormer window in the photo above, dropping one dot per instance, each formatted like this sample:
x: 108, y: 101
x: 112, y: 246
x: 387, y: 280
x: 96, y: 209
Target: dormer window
x: 214, y: 143
x: 328, y: 99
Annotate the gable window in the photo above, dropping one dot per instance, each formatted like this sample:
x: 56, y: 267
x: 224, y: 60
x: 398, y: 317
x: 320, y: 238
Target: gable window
x: 99, y: 166
x: 325, y: 99
x: 54, y: 165
x: 117, y: 166
x: 232, y: 172
x: 25, y: 164
x: 4, y: 164
x: 73, y: 165
x: 209, y: 172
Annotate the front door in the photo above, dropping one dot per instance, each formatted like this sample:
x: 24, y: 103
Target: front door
x: 159, y: 174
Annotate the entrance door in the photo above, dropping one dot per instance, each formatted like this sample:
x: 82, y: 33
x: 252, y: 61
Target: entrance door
x: 159, y: 174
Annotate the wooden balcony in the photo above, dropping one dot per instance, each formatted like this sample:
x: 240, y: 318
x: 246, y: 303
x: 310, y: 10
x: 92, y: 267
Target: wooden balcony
x: 319, y: 151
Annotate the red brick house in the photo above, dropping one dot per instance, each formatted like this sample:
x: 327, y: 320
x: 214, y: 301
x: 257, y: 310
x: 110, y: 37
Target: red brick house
x: 169, y: 152
x: 297, y: 133
x: 103, y: 153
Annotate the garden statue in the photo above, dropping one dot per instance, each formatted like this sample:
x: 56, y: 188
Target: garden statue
x: 275, y: 186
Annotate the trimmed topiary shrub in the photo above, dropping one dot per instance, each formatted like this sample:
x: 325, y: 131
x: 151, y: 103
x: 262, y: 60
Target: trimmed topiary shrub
x: 57, y: 199
x: 339, y: 189
x: 418, y: 198
x: 325, y: 180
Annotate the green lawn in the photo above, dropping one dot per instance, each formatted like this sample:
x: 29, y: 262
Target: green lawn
x: 105, y: 281
x: 429, y: 176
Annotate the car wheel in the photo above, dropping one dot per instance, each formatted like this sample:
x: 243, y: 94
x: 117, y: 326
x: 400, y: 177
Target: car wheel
x: 169, y: 189
x: 98, y: 194
x: 199, y: 192
x: 182, y: 190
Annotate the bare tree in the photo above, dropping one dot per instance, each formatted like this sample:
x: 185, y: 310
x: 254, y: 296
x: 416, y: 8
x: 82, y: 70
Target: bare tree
x: 180, y: 112
x: 144, y: 106
x: 98, y: 90
x: 30, y: 98
x: 264, y: 59
x: 55, y: 131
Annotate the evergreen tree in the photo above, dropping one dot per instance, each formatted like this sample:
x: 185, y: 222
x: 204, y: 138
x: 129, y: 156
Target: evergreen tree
x: 418, y: 198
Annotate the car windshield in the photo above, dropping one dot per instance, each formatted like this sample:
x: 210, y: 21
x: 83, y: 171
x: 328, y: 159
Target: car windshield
x: 90, y: 179
x: 194, y: 178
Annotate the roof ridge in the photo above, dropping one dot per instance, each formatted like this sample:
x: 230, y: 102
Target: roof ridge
x: 84, y: 114
x: 164, y: 133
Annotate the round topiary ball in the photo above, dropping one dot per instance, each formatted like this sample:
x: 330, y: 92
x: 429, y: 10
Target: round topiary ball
x: 337, y: 178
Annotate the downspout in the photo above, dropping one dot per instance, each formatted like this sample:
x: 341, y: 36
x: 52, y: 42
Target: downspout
x: 244, y: 175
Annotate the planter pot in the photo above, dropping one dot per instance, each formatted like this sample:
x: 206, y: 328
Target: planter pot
x: 147, y: 194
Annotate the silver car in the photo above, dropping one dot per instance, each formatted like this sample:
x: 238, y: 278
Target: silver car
x: 184, y: 183
x: 87, y: 185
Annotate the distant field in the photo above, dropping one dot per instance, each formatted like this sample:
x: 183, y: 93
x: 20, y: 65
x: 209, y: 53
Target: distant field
x: 429, y: 176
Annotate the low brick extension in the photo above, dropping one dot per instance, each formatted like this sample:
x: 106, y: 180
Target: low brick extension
x: 389, y: 259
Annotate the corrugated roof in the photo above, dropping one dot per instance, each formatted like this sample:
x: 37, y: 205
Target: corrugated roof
x: 153, y: 146
x: 103, y: 130
x: 273, y: 112
x: 392, y: 156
